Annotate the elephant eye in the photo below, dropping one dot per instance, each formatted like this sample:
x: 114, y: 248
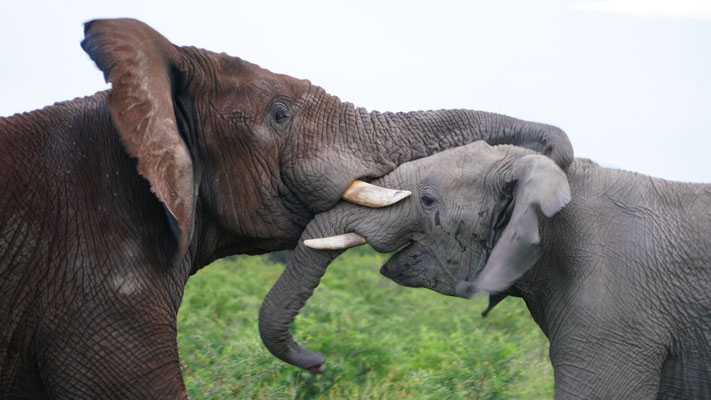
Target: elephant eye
x: 280, y: 116
x: 427, y: 200
x: 279, y: 112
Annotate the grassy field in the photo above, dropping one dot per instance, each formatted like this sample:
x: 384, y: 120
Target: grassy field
x: 381, y: 341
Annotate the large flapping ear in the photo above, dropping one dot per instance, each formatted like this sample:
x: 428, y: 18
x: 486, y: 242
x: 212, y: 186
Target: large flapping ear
x: 540, y: 183
x: 139, y: 63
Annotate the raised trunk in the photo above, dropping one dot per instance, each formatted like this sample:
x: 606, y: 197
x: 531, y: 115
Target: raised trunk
x: 372, y: 144
x: 344, y: 143
x: 289, y: 294
x: 400, y: 137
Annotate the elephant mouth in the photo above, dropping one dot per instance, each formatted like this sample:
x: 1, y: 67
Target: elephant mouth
x: 399, y: 267
x: 413, y: 266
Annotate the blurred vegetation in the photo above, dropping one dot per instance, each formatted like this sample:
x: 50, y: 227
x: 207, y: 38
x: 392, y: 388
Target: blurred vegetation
x: 381, y: 340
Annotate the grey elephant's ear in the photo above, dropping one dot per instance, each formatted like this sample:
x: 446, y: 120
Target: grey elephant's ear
x: 140, y: 63
x: 540, y: 183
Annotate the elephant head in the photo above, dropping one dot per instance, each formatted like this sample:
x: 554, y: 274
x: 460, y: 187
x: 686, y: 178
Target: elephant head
x: 242, y: 158
x: 471, y: 225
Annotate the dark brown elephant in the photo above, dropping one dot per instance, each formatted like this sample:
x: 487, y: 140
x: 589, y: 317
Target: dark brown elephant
x: 110, y: 202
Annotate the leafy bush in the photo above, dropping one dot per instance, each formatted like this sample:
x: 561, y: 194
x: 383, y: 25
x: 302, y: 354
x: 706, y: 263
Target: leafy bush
x: 381, y: 340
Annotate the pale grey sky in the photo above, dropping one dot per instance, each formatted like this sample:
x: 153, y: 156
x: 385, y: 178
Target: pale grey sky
x: 628, y: 80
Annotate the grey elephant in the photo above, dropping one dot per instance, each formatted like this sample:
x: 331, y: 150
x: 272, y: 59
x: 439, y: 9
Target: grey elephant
x: 618, y: 279
x: 109, y: 203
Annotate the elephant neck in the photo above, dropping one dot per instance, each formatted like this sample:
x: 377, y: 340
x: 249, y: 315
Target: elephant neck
x: 549, y: 287
x: 621, y: 231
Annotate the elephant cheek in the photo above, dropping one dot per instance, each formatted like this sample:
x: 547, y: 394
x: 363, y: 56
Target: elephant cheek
x: 319, y: 180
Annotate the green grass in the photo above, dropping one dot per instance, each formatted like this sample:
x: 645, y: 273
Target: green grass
x: 381, y: 340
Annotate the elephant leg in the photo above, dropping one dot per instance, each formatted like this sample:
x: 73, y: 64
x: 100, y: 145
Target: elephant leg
x: 600, y: 369
x: 118, y: 352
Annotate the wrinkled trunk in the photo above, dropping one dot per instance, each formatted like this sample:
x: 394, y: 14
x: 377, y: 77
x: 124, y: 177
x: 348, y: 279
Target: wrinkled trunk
x: 344, y: 143
x: 373, y: 144
x: 400, y: 137
x: 289, y: 294
x: 306, y: 267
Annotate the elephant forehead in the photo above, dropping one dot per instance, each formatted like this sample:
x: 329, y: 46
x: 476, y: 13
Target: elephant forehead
x: 478, y: 166
x: 242, y: 85
x: 459, y: 160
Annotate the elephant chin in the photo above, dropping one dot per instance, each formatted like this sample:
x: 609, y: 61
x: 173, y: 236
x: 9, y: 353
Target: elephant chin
x: 399, y: 267
x: 412, y: 266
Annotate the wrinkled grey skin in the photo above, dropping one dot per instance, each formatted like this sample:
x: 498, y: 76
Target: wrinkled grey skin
x: 618, y: 279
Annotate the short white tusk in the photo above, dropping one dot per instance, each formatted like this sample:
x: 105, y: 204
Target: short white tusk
x: 366, y: 194
x: 338, y: 242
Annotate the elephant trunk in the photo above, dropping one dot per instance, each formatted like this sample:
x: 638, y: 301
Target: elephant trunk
x: 289, y: 294
x: 355, y: 144
x: 402, y: 137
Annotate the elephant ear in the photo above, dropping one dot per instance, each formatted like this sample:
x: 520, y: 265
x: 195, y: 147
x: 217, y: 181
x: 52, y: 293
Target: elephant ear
x: 540, y: 183
x: 140, y: 64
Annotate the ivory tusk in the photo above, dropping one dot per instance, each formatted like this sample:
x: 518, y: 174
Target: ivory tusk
x: 338, y: 242
x: 366, y: 194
